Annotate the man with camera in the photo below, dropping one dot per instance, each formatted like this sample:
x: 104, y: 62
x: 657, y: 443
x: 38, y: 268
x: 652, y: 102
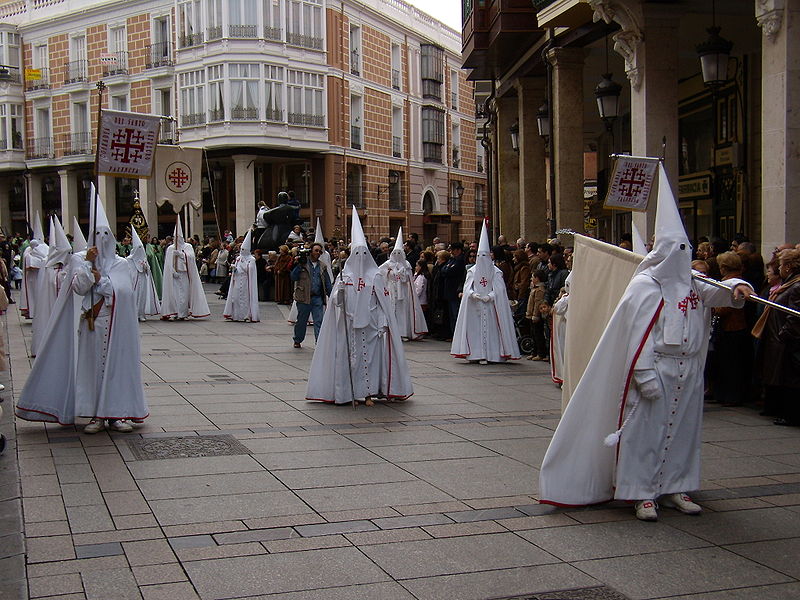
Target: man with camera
x: 312, y: 286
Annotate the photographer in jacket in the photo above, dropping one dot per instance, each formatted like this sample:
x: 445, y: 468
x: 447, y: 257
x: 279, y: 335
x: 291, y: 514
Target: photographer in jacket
x: 312, y: 286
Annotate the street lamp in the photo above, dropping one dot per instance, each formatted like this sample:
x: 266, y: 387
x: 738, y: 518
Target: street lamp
x: 607, y: 94
x: 714, y: 54
x: 394, y: 179
x: 514, y: 130
x: 543, y: 120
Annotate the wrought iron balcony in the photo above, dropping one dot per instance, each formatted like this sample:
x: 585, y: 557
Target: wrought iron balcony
x: 42, y: 83
x: 274, y: 34
x: 76, y: 144
x: 193, y: 119
x: 115, y: 63
x: 306, y: 41
x: 214, y: 33
x: 355, y: 137
x: 243, y: 31
x: 191, y: 39
x: 75, y: 71
x: 241, y: 113
x: 431, y: 152
x: 274, y: 114
x: 454, y: 205
x: 216, y: 114
x: 168, y: 132
x: 41, y: 147
x: 159, y: 55
x: 397, y: 146
x: 308, y: 120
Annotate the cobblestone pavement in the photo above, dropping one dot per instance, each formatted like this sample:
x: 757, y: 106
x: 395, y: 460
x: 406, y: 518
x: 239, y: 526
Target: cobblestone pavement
x: 236, y: 487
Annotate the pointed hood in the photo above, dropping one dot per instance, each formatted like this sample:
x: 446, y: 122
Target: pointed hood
x: 38, y: 234
x: 78, y: 241
x: 359, y: 270
x: 484, y: 267
x: 178, y: 234
x: 325, y: 257
x: 398, y: 255
x: 59, y: 244
x: 103, y: 238
x: 670, y: 260
x: 639, y: 246
x: 318, y: 237
x: 137, y: 247
x: 246, y: 244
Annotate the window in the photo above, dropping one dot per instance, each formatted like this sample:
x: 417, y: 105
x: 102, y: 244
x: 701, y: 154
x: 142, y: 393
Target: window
x: 9, y: 49
x: 40, y: 64
x: 355, y: 121
x: 80, y: 136
x: 304, y: 93
x: 480, y: 155
x: 119, y: 102
x: 273, y: 92
x: 244, y: 91
x: 216, y: 93
x: 304, y: 23
x: 355, y: 50
x: 192, y: 90
x: 272, y: 20
x: 480, y: 208
x: 243, y: 18
x: 214, y: 16
x: 431, y: 71
x: 396, y: 66
x: 11, y: 126
x: 160, y: 51
x: 455, y: 141
x: 454, y: 89
x: 189, y: 23
x: 162, y: 102
x: 397, y: 132
x: 42, y: 146
x: 355, y: 182
x: 455, y: 198
x: 76, y: 67
x: 395, y: 190
x: 432, y: 133
x: 116, y: 62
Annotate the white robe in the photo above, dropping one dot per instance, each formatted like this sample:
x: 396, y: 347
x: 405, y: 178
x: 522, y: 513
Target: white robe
x: 182, y: 292
x: 32, y: 264
x: 144, y: 287
x: 49, y: 391
x: 47, y: 287
x: 558, y: 336
x: 407, y: 309
x: 374, y: 361
x: 659, y: 448
x: 242, y: 302
x: 485, y: 330
x: 109, y: 376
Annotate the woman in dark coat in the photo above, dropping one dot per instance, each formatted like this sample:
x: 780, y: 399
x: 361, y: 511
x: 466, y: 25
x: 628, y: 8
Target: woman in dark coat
x: 283, y: 265
x: 779, y: 350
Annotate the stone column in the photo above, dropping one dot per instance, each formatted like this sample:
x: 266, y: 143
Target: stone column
x: 34, y: 185
x: 147, y: 201
x: 654, y: 100
x: 532, y: 169
x: 567, y: 127
x: 780, y: 125
x: 5, y: 206
x: 245, y: 192
x: 195, y: 221
x: 508, y: 161
x: 69, y: 197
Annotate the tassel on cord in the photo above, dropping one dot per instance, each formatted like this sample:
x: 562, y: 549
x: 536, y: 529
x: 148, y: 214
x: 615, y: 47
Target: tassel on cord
x: 612, y: 439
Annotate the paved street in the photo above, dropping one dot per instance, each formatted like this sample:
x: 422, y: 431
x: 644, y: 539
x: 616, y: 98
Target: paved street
x: 236, y: 487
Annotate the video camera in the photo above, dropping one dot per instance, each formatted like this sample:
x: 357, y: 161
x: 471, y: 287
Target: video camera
x: 302, y: 255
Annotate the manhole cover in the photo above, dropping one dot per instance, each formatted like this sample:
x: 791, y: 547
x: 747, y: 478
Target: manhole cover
x: 186, y: 447
x: 593, y: 593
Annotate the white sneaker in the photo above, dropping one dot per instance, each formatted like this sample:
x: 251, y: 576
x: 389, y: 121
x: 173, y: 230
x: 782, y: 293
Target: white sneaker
x: 681, y: 502
x: 94, y: 426
x: 646, y: 510
x: 120, y: 425
x: 2, y: 387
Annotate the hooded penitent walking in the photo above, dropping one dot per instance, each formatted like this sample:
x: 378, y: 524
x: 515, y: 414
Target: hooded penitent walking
x: 631, y: 430
x: 485, y: 327
x: 146, y: 295
x: 359, y: 354
x: 242, y: 302
x: 33, y: 260
x: 399, y: 276
x: 49, y: 281
x: 182, y: 292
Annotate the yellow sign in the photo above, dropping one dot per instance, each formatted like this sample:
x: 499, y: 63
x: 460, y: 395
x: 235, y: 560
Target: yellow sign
x: 33, y: 74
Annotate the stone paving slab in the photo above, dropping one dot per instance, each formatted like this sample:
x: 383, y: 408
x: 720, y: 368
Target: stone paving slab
x: 430, y: 498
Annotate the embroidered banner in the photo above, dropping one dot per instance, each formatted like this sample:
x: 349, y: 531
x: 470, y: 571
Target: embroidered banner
x: 127, y: 144
x: 631, y: 183
x: 177, y: 177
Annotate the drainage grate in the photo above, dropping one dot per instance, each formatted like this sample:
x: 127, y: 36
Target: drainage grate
x: 592, y: 593
x: 186, y: 447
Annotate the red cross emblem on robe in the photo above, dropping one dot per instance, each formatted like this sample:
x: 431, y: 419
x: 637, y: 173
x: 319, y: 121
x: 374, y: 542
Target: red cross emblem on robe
x: 483, y: 281
x: 361, y: 285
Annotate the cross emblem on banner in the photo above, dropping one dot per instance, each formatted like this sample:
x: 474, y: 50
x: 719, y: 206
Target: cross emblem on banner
x: 178, y: 177
x: 632, y: 182
x: 483, y: 281
x: 127, y: 145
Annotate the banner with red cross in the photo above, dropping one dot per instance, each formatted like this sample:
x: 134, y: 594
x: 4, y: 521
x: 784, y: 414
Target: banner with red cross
x: 177, y: 177
x: 127, y: 144
x: 631, y: 183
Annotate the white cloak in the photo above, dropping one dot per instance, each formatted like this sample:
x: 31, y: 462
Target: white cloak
x: 49, y: 391
x: 659, y: 449
x: 485, y: 330
x: 375, y: 361
x: 109, y: 374
x: 32, y: 264
x: 47, y: 287
x: 404, y: 300
x: 242, y: 302
x: 182, y: 292
x: 558, y: 337
x: 144, y: 288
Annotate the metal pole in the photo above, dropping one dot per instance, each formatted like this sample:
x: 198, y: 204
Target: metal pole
x: 757, y: 299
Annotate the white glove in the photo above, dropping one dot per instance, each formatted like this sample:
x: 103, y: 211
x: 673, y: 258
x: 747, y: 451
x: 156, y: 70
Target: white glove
x: 648, y: 385
x: 176, y: 274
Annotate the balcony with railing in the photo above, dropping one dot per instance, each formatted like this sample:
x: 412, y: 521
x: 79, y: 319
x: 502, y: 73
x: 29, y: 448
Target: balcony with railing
x: 431, y: 89
x: 76, y: 144
x: 274, y: 114
x: 115, y: 63
x: 75, y: 71
x: 214, y: 33
x: 306, y: 119
x: 159, y: 55
x: 354, y: 62
x: 41, y: 147
x: 355, y: 137
x: 193, y: 119
x: 42, y: 82
x: 168, y: 133
x: 15, y: 143
x: 273, y: 34
x: 305, y: 41
x: 190, y: 39
x: 243, y: 31
x: 216, y: 114
x: 10, y: 75
x: 432, y: 152
x: 396, y: 79
x: 242, y: 113
x: 454, y: 205
x: 480, y: 207
x: 397, y: 146
x: 396, y: 198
